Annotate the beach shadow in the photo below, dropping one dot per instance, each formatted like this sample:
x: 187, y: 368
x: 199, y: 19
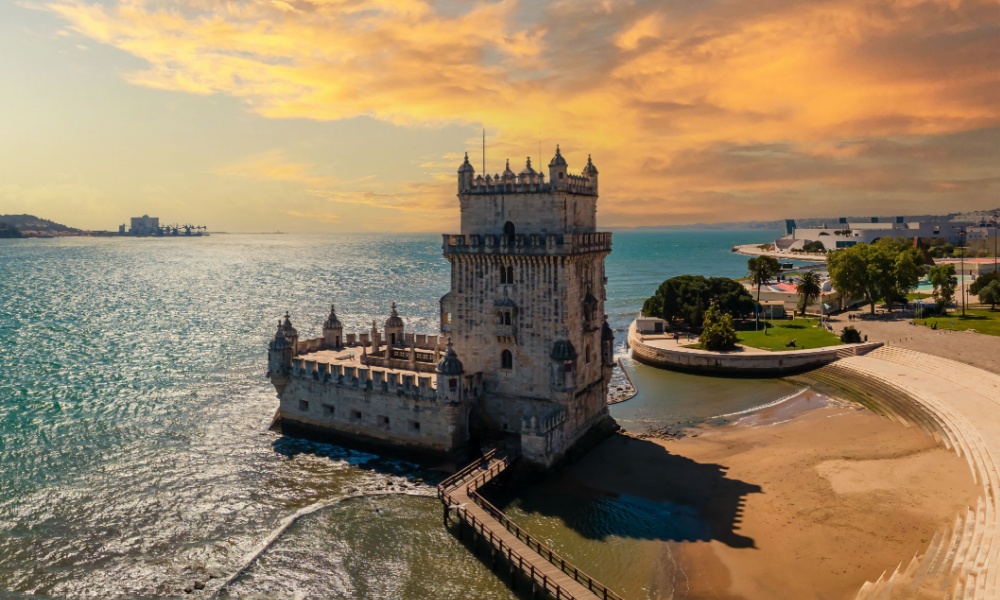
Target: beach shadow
x: 637, y: 489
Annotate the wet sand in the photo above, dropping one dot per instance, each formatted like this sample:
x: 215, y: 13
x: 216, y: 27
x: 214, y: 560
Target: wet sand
x: 801, y: 501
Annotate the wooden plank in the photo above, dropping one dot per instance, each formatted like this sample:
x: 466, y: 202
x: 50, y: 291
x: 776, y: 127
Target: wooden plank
x: 531, y: 563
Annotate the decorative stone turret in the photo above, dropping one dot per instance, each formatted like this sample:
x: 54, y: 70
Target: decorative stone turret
x: 333, y: 330
x: 563, y: 357
x: 394, y: 328
x: 449, y: 377
x: 465, y: 174
x: 607, y: 344
x: 557, y: 170
x: 590, y: 171
x: 280, y: 351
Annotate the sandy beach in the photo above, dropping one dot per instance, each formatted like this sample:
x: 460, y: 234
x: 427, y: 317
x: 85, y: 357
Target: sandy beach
x: 802, y: 501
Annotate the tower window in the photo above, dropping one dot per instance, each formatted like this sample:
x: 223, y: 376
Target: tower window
x: 508, y: 230
x: 506, y: 274
x: 506, y: 360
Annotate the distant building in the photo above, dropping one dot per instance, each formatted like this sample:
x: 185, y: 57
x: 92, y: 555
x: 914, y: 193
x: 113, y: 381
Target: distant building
x: 144, y: 225
x: 845, y: 234
x: 525, y: 353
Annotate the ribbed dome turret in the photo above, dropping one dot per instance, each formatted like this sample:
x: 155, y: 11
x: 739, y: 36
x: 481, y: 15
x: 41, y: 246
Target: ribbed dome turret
x: 280, y: 342
x: 590, y: 169
x: 558, y: 159
x: 393, y: 320
x: 563, y: 350
x: 527, y: 170
x: 287, y: 329
x: 450, y: 365
x: 466, y: 166
x: 332, y: 322
x: 507, y: 173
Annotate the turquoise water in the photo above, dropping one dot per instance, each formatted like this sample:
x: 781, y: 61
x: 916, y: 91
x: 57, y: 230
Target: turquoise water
x: 135, y: 457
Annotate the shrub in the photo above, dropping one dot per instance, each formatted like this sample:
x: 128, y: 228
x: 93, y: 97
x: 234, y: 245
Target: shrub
x: 850, y: 335
x: 718, y: 332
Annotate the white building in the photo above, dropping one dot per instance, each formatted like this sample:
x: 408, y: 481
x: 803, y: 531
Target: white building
x: 845, y: 234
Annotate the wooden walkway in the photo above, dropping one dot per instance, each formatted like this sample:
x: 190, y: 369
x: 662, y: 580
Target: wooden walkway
x: 546, y: 570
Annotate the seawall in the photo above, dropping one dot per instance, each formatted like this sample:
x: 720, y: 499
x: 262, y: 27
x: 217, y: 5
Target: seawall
x: 737, y: 362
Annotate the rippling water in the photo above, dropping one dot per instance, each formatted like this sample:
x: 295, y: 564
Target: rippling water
x: 135, y: 457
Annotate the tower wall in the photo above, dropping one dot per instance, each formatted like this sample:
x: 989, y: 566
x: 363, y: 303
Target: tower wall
x: 527, y: 274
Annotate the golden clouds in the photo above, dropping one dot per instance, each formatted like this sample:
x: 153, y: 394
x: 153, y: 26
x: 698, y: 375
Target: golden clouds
x: 755, y: 106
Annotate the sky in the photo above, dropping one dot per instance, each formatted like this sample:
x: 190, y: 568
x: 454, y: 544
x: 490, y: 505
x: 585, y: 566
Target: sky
x: 354, y: 115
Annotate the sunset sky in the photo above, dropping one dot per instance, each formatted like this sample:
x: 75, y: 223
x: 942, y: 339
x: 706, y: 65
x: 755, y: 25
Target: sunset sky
x: 353, y: 115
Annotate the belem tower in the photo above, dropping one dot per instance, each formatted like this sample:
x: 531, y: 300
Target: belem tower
x: 524, y: 355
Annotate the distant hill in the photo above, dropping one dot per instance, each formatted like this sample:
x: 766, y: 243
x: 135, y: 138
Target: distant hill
x: 32, y: 226
x: 9, y: 231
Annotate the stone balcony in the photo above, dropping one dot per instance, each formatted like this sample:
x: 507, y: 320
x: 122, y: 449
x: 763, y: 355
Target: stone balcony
x: 528, y: 244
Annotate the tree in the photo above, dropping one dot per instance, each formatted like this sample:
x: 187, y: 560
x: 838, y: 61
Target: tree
x: 808, y: 288
x: 887, y: 269
x: 814, y: 246
x: 719, y: 333
x: 983, y: 281
x: 761, y: 270
x: 945, y: 282
x: 687, y: 297
x: 990, y: 294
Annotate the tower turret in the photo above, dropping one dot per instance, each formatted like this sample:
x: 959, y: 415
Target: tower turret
x: 333, y: 330
x: 280, y: 352
x: 590, y: 171
x: 465, y: 174
x: 394, y: 328
x: 449, y: 377
x: 557, y: 170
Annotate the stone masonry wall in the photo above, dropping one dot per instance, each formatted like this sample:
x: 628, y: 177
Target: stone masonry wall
x: 380, y: 417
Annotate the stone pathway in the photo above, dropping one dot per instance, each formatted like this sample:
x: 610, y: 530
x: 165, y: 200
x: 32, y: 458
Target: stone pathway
x: 978, y: 350
x: 959, y: 405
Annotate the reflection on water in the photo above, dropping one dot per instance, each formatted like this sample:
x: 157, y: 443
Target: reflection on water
x: 669, y: 398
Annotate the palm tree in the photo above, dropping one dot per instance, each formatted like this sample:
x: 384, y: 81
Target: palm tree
x: 762, y: 269
x: 809, y: 288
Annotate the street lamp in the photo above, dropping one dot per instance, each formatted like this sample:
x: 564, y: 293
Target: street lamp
x: 961, y: 281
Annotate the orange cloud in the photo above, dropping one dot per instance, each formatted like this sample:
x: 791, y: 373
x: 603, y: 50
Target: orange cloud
x: 693, y: 111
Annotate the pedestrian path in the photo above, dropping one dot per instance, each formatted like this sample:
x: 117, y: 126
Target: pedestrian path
x: 960, y: 406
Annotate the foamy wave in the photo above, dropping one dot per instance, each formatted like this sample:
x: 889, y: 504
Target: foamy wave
x: 773, y: 403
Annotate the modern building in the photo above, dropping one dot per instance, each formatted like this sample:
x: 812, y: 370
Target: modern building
x: 846, y: 234
x: 524, y: 355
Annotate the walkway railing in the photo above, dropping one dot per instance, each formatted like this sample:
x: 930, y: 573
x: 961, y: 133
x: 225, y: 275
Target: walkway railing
x: 470, y: 480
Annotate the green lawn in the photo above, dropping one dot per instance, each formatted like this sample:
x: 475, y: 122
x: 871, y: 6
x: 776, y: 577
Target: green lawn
x: 780, y: 332
x: 983, y: 320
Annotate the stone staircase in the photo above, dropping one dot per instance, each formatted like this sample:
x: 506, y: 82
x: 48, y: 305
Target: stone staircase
x: 956, y: 404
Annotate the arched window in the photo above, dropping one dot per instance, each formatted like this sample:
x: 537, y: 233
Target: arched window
x: 588, y: 352
x: 508, y: 230
x: 503, y: 274
x: 510, y: 274
x: 506, y: 360
x: 506, y: 317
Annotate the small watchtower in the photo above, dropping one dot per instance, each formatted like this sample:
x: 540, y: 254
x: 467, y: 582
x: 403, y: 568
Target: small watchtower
x: 333, y: 331
x: 394, y: 328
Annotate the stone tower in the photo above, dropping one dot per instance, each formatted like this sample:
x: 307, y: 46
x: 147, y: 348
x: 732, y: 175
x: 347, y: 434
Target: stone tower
x: 526, y: 306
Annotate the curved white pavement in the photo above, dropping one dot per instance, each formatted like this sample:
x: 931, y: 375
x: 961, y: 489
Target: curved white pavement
x: 960, y: 406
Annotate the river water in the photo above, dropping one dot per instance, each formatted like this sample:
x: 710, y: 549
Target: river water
x: 135, y: 455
